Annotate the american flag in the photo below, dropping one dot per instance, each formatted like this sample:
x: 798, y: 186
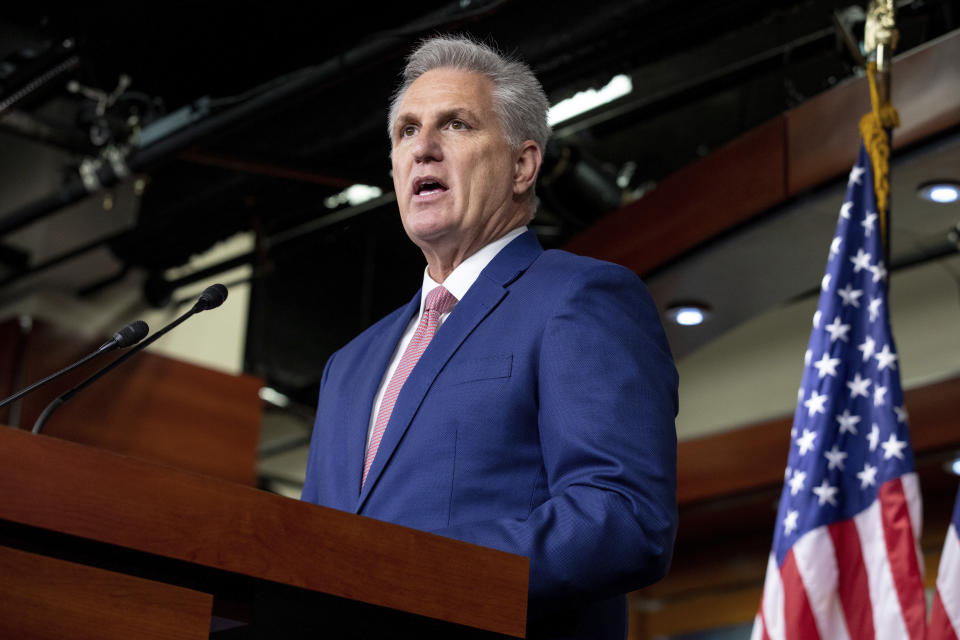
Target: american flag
x: 846, y: 561
x: 945, y: 618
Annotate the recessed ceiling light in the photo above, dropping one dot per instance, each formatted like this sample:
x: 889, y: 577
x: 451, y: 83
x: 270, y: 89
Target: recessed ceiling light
x: 688, y: 314
x: 941, y: 191
x: 953, y: 466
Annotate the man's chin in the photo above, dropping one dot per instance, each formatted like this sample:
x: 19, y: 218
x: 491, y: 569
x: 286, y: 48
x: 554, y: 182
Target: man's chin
x: 429, y: 232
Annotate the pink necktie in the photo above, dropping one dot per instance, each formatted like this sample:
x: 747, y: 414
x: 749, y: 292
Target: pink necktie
x: 439, y: 301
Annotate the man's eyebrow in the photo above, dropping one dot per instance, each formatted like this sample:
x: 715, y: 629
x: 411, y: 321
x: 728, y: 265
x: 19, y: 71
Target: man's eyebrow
x: 404, y: 119
x: 459, y: 112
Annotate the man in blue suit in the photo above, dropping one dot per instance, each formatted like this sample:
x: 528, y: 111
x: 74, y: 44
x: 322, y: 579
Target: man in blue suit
x: 536, y: 416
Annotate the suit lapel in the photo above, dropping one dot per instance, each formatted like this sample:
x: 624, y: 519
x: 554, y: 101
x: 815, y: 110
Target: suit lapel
x: 484, y: 295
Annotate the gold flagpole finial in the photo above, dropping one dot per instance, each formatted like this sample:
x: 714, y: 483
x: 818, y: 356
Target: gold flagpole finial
x: 880, y: 33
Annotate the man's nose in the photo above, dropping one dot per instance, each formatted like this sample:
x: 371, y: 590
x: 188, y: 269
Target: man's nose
x: 427, y: 146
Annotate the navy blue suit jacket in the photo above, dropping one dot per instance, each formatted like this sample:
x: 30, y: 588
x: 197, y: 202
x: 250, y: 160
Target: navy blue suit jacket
x: 539, y: 421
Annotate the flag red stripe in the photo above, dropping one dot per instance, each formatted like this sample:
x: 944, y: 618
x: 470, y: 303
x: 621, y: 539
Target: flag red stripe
x: 902, y: 554
x: 940, y: 627
x: 852, y: 582
x: 799, y: 623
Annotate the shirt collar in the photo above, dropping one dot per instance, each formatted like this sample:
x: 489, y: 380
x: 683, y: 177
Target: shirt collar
x: 462, y: 278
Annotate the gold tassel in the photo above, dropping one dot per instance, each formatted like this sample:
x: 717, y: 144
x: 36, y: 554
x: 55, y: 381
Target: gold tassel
x: 873, y: 128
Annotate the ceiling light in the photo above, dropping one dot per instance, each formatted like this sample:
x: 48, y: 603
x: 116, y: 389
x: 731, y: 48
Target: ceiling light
x: 688, y: 315
x: 941, y: 191
x: 953, y: 466
x: 584, y: 101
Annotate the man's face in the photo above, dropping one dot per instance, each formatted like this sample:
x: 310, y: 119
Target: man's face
x: 453, y: 169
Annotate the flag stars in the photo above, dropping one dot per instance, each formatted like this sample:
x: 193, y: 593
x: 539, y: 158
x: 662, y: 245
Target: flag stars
x: 826, y: 494
x: 825, y: 282
x: 879, y: 395
x: 807, y: 357
x: 845, y: 208
x: 837, y: 330
x: 848, y: 423
x: 835, y: 458
x: 790, y: 522
x: 860, y: 261
x: 873, y: 438
x: 796, y: 482
x: 902, y: 414
x: 805, y: 442
x: 893, y: 448
x: 826, y: 366
x: 850, y: 295
x: 868, y: 348
x: 878, y: 271
x: 867, y: 223
x: 855, y: 174
x: 858, y: 386
x: 835, y: 246
x: 816, y: 319
x: 886, y: 358
x: 867, y: 477
x: 814, y: 404
x: 875, y: 308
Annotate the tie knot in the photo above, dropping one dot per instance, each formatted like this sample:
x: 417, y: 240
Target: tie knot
x: 440, y: 300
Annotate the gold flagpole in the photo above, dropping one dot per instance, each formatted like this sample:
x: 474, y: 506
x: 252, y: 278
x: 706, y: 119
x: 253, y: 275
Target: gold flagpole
x: 880, y: 40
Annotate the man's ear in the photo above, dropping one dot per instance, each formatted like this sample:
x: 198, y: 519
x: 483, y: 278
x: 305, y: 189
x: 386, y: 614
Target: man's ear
x: 526, y: 167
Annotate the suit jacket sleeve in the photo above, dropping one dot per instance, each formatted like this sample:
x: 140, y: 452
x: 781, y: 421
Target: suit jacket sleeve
x: 607, y: 393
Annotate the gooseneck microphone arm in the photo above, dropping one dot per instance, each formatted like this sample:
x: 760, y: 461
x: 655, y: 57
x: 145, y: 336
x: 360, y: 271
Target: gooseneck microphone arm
x: 212, y: 297
x: 129, y: 335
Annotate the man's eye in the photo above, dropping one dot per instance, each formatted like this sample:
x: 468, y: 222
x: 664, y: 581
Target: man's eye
x: 458, y: 124
x: 408, y: 131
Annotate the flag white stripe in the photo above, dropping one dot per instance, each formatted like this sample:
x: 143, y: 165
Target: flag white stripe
x: 757, y: 632
x: 773, y: 601
x: 817, y: 564
x: 911, y: 491
x: 948, y: 578
x: 887, y: 616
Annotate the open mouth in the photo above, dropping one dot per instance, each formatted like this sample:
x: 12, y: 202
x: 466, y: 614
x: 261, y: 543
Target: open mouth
x: 428, y: 185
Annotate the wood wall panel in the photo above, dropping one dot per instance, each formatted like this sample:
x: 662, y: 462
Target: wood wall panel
x: 151, y: 406
x: 806, y: 146
x: 44, y: 598
x: 823, y: 134
x: 694, y: 204
x: 754, y: 457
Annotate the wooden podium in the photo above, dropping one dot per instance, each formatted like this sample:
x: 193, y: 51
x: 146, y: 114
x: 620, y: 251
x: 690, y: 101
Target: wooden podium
x: 95, y: 544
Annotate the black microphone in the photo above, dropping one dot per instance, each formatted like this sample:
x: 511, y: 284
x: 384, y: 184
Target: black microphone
x: 211, y: 298
x: 129, y: 335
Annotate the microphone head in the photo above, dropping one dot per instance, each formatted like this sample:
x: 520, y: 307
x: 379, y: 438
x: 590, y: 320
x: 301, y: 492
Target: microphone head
x: 131, y: 334
x: 211, y: 298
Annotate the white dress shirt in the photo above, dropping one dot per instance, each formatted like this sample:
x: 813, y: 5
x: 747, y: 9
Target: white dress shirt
x: 458, y: 283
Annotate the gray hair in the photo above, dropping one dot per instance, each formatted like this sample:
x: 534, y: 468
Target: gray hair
x: 518, y: 97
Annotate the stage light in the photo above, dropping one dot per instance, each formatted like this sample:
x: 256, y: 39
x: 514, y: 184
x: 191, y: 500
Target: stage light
x: 941, y: 191
x: 274, y: 397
